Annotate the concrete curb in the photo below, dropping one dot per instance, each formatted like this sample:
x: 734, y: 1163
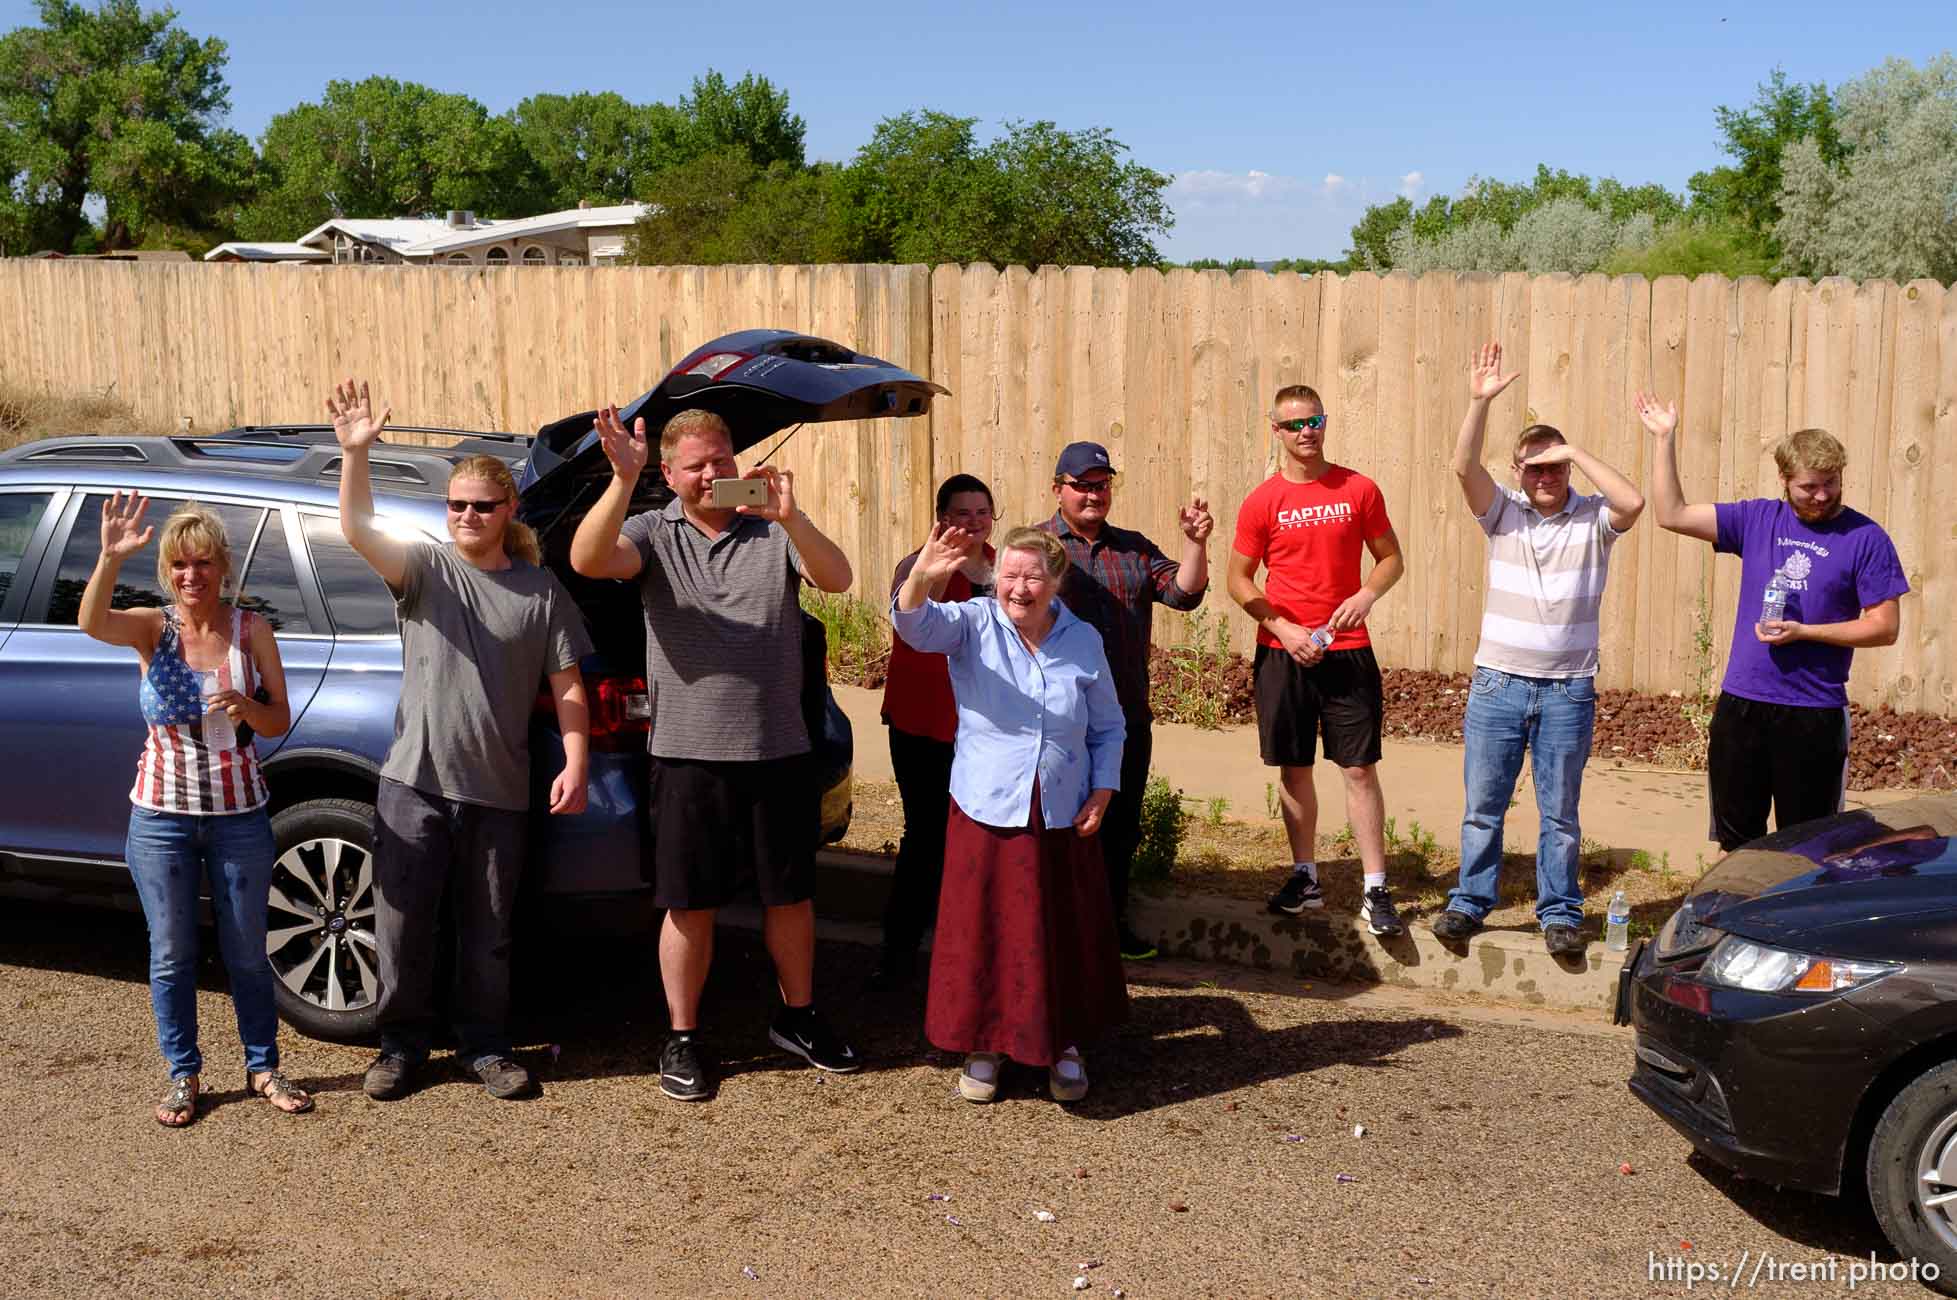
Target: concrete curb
x: 1505, y: 965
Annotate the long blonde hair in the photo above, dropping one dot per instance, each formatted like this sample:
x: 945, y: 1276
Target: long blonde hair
x: 519, y: 538
x: 193, y: 529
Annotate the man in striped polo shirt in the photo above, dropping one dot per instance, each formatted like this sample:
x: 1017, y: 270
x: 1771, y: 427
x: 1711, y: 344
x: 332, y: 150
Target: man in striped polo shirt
x: 1536, y: 667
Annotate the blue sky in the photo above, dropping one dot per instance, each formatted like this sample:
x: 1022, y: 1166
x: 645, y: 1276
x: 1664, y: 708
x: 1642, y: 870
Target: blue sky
x: 1280, y: 122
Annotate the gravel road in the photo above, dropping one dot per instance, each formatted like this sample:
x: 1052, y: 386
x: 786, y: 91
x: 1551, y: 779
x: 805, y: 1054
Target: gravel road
x: 1207, y: 1160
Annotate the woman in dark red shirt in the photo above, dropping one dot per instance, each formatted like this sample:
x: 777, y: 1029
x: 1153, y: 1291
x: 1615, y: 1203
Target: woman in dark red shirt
x: 918, y: 708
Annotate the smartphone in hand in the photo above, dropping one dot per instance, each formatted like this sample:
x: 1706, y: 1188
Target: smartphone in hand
x: 731, y: 492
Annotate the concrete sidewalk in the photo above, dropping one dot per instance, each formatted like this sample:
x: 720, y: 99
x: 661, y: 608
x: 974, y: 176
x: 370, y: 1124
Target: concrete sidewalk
x: 1625, y: 806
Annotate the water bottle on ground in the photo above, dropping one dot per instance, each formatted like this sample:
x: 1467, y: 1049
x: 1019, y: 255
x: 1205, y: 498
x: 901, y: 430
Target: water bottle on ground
x: 1773, y: 602
x: 1617, y: 923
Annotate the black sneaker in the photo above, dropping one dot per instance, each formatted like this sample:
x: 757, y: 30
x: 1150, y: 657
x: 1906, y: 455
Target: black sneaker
x: 683, y: 1070
x: 1378, y: 914
x: 502, y: 1078
x: 390, y: 1077
x: 1133, y: 947
x: 1562, y: 941
x: 808, y: 1035
x: 1455, y: 926
x: 1301, y: 891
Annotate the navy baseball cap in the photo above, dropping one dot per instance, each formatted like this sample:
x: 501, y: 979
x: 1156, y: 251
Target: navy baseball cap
x: 1078, y: 458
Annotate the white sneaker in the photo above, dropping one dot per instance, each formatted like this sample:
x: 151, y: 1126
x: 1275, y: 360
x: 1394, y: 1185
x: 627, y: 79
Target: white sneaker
x: 979, y: 1080
x: 1066, y: 1078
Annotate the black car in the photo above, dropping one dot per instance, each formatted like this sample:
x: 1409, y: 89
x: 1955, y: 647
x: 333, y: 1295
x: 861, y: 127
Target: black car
x: 68, y: 710
x: 1797, y: 1017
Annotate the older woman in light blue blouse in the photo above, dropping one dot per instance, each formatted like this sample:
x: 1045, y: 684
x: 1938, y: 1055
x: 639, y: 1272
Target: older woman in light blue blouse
x: 1024, y: 965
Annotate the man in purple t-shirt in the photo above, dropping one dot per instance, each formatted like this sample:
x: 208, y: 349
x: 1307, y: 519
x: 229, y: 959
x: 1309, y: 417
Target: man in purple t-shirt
x: 1780, y: 729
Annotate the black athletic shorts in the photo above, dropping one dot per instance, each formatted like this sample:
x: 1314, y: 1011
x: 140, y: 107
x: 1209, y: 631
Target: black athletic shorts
x: 1340, y: 696
x: 733, y: 832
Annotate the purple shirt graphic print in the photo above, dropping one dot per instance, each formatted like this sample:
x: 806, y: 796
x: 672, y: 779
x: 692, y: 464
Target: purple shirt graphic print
x: 1833, y: 571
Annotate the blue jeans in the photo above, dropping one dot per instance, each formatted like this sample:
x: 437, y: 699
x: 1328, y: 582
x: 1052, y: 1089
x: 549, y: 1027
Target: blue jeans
x: 1552, y: 718
x: 169, y: 856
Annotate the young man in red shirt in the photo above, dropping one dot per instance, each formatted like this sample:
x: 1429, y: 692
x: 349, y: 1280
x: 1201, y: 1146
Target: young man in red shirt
x: 1315, y: 671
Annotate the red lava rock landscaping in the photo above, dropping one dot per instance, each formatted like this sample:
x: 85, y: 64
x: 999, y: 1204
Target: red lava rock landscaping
x: 1887, y: 750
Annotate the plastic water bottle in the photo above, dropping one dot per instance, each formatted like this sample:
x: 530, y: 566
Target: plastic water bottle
x: 219, y: 733
x: 1322, y: 636
x: 1617, y: 923
x: 1773, y: 603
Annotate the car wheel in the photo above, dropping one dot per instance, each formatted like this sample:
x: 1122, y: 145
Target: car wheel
x: 320, y: 920
x: 1913, y: 1176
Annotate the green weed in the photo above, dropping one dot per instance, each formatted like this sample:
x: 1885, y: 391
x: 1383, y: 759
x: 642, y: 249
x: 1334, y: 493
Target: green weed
x: 1164, y: 824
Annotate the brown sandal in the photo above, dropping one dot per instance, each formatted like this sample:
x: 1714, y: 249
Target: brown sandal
x: 179, y: 1104
x: 276, y: 1088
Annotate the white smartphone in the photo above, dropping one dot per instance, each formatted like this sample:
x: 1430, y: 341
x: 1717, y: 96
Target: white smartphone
x: 731, y: 492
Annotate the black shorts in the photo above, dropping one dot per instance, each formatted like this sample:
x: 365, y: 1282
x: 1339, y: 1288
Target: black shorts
x: 1340, y: 695
x: 730, y: 832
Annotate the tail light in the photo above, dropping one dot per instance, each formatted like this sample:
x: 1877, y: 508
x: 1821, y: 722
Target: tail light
x: 621, y: 711
x: 714, y: 364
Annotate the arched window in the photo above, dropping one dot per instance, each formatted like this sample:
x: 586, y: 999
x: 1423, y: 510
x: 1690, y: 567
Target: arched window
x: 569, y: 259
x: 458, y: 259
x: 535, y: 256
x: 497, y: 256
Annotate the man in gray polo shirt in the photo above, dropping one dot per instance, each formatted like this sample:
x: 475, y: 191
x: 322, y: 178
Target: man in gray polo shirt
x: 1535, y: 670
x: 734, y: 800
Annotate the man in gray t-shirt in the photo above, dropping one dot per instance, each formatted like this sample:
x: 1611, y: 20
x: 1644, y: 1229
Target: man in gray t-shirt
x: 481, y: 624
x: 734, y: 800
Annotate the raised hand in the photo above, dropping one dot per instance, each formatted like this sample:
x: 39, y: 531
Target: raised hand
x: 948, y: 547
x: 1196, y: 520
x: 1485, y: 378
x: 626, y: 449
x: 781, y: 494
x: 120, y: 519
x: 1661, y: 421
x: 1561, y: 453
x: 354, y: 422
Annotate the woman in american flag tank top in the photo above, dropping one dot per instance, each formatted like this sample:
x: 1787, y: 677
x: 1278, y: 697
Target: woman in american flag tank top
x: 211, y: 677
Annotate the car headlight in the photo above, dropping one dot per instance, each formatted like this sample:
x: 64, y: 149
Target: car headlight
x: 1683, y: 933
x: 1742, y: 964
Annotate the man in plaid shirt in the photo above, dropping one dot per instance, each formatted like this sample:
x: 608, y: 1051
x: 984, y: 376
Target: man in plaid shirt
x: 1115, y: 578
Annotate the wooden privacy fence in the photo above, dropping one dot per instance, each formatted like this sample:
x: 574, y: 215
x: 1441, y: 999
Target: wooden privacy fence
x: 1173, y: 372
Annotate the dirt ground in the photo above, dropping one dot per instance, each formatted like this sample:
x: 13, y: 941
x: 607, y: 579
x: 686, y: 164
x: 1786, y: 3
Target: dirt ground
x: 1208, y: 1160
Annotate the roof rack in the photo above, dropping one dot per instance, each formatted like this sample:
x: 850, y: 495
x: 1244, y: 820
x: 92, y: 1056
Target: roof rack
x: 307, y: 453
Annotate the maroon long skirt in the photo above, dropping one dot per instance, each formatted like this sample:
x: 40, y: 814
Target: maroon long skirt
x: 1024, y: 960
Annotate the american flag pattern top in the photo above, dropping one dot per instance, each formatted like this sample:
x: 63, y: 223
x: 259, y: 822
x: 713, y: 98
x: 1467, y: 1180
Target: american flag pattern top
x: 180, y: 771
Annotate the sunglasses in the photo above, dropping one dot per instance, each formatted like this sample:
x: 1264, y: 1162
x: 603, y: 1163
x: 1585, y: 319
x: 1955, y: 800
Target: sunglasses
x: 481, y: 507
x: 1090, y: 485
x: 1300, y: 425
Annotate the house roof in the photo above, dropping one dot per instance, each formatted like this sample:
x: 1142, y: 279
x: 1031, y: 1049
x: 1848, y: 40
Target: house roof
x: 389, y: 232
x: 267, y: 251
x: 446, y: 240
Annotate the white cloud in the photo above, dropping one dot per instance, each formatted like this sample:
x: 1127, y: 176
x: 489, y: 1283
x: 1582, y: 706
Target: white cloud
x: 1252, y: 185
x: 1269, y: 214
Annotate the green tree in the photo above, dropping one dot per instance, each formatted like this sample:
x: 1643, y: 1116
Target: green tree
x: 598, y: 146
x: 121, y: 104
x: 1886, y: 207
x: 903, y: 196
x: 1696, y: 246
x: 1756, y: 136
x: 1045, y: 196
x: 384, y: 148
x: 715, y: 118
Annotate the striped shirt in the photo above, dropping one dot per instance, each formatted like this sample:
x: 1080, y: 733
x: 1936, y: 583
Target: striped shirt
x: 1545, y: 585
x: 182, y: 770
